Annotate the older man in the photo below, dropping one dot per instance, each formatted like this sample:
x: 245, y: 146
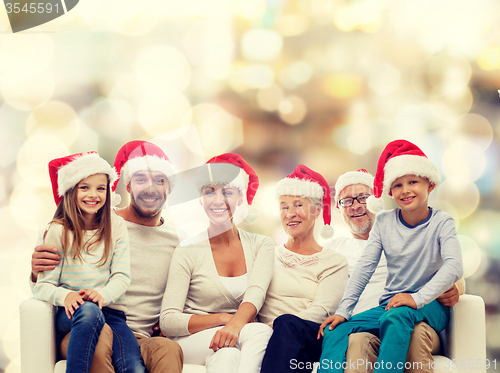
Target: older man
x: 351, y: 192
x: 149, y: 177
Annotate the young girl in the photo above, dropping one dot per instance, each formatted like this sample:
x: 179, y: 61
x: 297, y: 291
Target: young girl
x: 89, y: 283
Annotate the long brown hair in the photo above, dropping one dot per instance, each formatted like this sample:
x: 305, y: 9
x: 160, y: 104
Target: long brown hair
x: 69, y: 215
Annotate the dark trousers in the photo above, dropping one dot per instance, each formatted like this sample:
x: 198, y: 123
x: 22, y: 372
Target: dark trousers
x: 293, y: 346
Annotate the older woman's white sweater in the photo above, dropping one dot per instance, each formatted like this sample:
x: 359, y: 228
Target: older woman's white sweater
x: 307, y: 286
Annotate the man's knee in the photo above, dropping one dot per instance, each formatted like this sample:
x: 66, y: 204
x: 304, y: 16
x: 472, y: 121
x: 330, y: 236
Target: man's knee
x: 161, y: 354
x: 159, y: 345
x: 424, y: 338
x: 364, y: 342
x: 423, y: 343
x: 362, y: 353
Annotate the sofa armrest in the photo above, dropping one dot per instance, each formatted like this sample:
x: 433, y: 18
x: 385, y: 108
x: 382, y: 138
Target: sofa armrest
x: 467, y: 334
x: 38, y: 336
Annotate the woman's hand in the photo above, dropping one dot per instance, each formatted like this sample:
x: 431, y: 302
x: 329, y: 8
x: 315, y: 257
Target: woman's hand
x: 333, y: 321
x: 72, y: 302
x: 401, y: 299
x: 92, y: 296
x: 225, y: 337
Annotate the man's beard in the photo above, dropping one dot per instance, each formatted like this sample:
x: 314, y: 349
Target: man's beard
x: 357, y: 229
x: 142, y: 212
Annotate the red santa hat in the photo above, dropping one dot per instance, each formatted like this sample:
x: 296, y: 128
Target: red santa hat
x: 360, y: 176
x: 400, y: 158
x: 304, y: 182
x: 231, y: 169
x: 141, y: 155
x: 66, y: 172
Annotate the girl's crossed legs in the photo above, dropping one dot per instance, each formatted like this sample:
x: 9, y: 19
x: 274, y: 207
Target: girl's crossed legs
x: 85, y: 327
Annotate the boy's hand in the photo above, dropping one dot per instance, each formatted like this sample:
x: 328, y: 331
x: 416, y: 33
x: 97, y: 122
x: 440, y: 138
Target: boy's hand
x: 72, y: 302
x: 401, y: 299
x: 333, y: 321
x: 92, y: 296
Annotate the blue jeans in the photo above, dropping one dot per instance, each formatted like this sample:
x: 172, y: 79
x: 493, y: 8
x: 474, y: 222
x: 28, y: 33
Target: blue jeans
x: 85, y: 327
x: 293, y: 347
x: 394, y: 327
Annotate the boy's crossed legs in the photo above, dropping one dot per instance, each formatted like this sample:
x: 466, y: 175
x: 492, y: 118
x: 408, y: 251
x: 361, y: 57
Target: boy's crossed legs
x: 394, y: 327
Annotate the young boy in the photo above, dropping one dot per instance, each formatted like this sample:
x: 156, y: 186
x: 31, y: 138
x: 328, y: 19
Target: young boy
x: 423, y: 259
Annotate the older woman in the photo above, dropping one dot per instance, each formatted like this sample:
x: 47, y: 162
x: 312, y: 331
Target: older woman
x: 308, y: 280
x: 216, y: 286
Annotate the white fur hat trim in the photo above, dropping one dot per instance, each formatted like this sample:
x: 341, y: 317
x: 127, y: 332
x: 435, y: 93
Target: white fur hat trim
x: 149, y: 163
x: 299, y: 187
x: 80, y: 168
x: 409, y: 165
x: 352, y: 178
x: 239, y: 182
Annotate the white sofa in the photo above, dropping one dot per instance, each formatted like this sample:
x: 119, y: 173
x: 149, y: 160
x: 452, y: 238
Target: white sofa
x: 466, y: 337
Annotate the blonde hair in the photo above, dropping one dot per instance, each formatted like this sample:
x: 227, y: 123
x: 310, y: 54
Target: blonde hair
x: 69, y: 215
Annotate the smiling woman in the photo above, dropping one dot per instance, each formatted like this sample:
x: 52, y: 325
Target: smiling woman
x: 216, y: 285
x: 220, y: 202
x: 308, y: 280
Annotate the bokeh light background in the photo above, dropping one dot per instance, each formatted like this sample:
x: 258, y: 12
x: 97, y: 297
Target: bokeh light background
x: 326, y: 83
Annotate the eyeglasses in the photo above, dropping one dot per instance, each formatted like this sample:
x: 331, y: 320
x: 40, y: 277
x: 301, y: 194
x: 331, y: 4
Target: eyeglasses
x: 346, y: 202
